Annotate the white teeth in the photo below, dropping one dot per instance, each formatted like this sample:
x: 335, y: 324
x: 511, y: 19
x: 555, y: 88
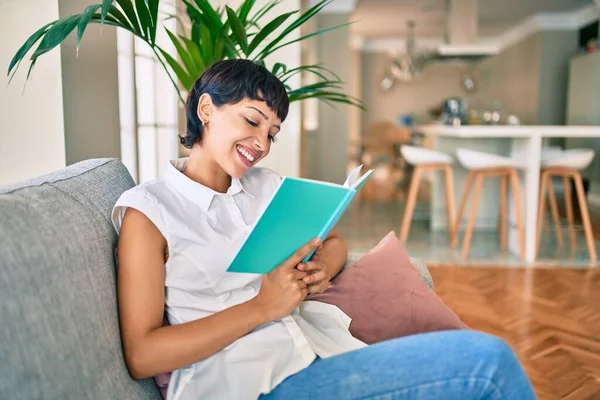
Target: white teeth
x: 245, y: 154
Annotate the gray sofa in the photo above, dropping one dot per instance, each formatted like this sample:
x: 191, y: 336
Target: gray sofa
x: 59, y: 332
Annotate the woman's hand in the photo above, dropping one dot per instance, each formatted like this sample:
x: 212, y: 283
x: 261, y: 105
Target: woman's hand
x: 318, y: 277
x: 283, y: 288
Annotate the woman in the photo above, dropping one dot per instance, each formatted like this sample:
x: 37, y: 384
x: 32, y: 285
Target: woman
x: 245, y: 336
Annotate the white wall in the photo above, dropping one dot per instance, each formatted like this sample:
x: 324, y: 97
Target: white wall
x: 31, y: 124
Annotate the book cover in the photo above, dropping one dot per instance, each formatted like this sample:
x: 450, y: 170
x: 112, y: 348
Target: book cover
x: 299, y: 211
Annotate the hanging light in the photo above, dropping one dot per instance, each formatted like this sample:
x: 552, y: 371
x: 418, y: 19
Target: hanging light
x: 405, y: 67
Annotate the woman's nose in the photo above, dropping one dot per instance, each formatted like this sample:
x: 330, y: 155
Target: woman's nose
x: 259, y: 143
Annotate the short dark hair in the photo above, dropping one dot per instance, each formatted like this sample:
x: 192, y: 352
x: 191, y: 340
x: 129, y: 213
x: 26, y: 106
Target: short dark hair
x: 229, y: 82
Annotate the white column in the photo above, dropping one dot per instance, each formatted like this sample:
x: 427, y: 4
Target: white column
x: 529, y: 150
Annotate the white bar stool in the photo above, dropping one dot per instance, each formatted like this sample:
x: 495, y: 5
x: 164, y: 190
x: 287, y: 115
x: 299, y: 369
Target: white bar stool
x: 566, y: 164
x: 480, y: 166
x: 427, y: 160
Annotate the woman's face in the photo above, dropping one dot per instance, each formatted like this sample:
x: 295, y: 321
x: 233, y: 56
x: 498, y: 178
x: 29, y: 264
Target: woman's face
x: 239, y: 135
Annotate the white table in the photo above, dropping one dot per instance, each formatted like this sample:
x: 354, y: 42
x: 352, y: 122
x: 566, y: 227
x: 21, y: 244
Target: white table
x: 526, y: 146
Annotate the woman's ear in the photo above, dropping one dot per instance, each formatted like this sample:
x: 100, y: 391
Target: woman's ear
x: 205, y: 106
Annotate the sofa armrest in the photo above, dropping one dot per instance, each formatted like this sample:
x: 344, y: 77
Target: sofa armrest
x: 418, y: 264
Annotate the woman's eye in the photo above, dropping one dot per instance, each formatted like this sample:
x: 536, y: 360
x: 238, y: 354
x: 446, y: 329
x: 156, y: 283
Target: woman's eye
x: 272, y: 138
x: 254, y: 124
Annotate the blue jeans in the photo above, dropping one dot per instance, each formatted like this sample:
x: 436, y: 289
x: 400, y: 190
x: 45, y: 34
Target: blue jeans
x: 447, y: 365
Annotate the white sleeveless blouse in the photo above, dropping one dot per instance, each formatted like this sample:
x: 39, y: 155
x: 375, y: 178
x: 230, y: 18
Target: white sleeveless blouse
x: 204, y: 230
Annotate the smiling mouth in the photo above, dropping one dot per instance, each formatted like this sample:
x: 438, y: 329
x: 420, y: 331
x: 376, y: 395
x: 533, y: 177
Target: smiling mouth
x: 245, y: 154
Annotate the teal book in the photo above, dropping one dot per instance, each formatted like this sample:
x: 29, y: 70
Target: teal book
x: 300, y: 210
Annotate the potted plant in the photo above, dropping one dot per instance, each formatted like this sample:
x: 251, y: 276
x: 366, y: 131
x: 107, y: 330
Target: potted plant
x: 213, y: 34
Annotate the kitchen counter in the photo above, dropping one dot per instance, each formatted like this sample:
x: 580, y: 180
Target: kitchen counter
x: 508, y: 131
x: 522, y: 142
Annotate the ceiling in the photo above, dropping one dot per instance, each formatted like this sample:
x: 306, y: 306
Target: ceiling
x: 387, y: 18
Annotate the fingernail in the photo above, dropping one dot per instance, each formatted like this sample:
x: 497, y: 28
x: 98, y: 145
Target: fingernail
x: 318, y: 242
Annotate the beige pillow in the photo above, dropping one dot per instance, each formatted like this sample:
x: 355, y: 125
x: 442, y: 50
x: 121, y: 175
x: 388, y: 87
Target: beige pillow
x: 385, y: 297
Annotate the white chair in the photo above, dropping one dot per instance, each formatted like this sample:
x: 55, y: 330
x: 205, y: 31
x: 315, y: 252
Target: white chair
x: 566, y: 164
x: 550, y: 152
x: 427, y: 160
x: 480, y: 166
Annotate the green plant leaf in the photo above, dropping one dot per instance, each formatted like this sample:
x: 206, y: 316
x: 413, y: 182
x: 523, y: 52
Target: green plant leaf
x: 327, y: 96
x: 194, y: 52
x: 212, y: 16
x: 153, y: 9
x: 218, y: 53
x: 118, y: 15
x: 183, y: 54
x: 129, y: 10
x: 105, y: 7
x: 144, y: 18
x: 294, y: 25
x: 268, y: 29
x: 277, y: 67
x: 311, y: 12
x: 263, y: 10
x: 26, y: 47
x: 206, y: 47
x: 244, y: 10
x: 56, y: 34
x: 309, y: 36
x: 206, y: 14
x: 316, y: 87
x: 183, y: 77
x: 314, y: 69
x: 83, y: 22
x: 237, y: 29
x: 193, y: 13
x: 120, y: 22
x: 29, y: 73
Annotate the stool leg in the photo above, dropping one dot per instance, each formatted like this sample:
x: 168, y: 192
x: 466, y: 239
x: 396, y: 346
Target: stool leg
x: 541, y: 215
x: 410, y: 204
x: 503, y: 212
x: 450, y: 209
x: 463, y: 204
x: 585, y: 216
x: 545, y: 224
x: 569, y: 210
x: 517, y: 201
x: 554, y: 209
x: 472, y: 215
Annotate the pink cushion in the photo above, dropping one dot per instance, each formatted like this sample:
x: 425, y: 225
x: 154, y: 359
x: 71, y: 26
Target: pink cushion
x: 385, y: 297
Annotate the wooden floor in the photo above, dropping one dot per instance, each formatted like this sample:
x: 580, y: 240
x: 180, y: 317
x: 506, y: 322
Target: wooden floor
x: 550, y: 317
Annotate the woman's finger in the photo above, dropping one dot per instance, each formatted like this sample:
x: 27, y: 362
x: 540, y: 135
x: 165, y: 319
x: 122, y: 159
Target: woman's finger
x: 316, y: 277
x: 297, y: 275
x: 310, y: 266
x: 319, y: 288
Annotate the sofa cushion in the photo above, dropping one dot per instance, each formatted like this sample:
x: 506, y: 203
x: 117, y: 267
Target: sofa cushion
x: 386, y: 296
x: 59, y: 334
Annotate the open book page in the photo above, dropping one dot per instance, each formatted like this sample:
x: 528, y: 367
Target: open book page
x: 362, y: 180
x: 353, y: 176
